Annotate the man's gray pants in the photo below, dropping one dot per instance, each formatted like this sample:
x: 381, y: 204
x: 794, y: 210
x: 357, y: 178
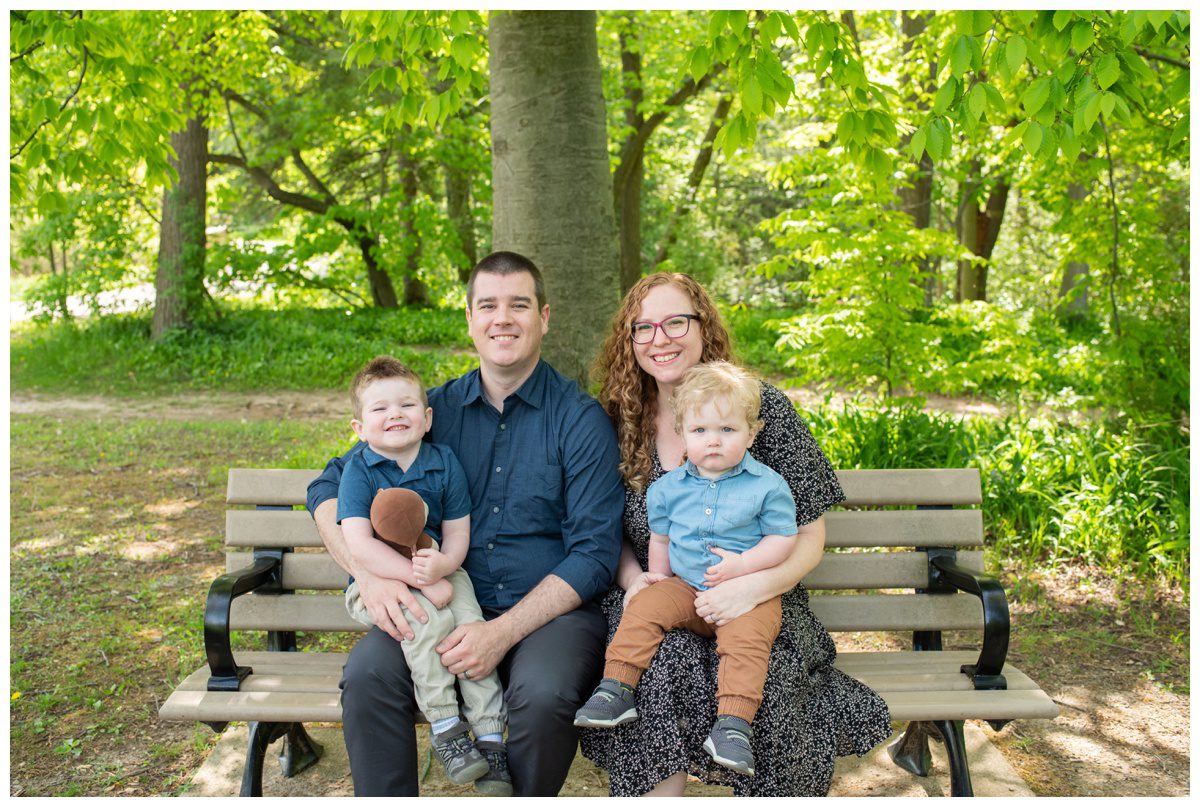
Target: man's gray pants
x: 546, y: 677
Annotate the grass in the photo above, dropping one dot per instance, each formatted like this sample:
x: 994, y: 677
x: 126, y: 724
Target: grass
x: 1113, y: 494
x: 249, y: 349
x: 115, y: 533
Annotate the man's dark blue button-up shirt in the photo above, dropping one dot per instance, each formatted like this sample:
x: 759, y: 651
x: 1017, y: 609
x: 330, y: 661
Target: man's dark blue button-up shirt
x: 545, y: 491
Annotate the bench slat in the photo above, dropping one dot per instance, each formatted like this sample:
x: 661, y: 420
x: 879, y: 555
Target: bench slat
x: 904, y: 528
x: 867, y: 612
x: 852, y: 612
x: 838, y: 570
x: 934, y: 486
x: 895, y: 528
x: 864, y: 488
x: 269, y: 485
x: 929, y: 687
x: 270, y: 528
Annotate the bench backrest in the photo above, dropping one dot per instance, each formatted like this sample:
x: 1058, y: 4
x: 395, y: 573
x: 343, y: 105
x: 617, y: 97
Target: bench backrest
x: 872, y: 563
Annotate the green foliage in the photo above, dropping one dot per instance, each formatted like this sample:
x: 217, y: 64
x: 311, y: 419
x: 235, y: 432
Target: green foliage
x: 861, y: 266
x: 1113, y: 494
x: 246, y: 350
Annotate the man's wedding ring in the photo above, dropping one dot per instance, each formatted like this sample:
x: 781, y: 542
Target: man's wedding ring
x: 467, y: 674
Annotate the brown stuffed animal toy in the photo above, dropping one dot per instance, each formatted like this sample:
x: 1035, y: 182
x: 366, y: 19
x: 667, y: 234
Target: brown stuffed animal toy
x: 398, y: 518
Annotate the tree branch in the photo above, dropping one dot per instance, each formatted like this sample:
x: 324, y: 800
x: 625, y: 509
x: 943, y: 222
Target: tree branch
x: 26, y: 52
x: 13, y: 155
x: 265, y: 181
x: 1158, y: 57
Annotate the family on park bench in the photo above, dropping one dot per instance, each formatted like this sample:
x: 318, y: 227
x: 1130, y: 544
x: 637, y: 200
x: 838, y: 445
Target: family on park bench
x: 620, y: 576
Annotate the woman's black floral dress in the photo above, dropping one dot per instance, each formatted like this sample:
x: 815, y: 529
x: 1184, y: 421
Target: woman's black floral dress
x: 810, y: 711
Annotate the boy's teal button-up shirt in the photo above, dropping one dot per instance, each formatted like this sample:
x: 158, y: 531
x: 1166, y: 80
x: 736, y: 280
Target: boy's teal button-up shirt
x: 732, y: 512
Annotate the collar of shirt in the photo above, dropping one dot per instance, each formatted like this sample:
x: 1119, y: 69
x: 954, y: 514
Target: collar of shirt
x: 532, y: 392
x: 748, y: 464
x: 427, y: 460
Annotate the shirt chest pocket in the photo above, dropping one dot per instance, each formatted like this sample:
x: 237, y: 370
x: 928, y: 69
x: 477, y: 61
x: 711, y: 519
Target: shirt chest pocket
x: 536, y: 499
x: 737, y: 512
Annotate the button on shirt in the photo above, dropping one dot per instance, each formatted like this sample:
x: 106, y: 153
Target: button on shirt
x: 545, y: 491
x: 732, y: 512
x: 435, y: 475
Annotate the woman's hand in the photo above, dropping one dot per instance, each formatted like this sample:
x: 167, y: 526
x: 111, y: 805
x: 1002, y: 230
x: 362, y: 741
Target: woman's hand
x: 640, y: 582
x: 728, y: 601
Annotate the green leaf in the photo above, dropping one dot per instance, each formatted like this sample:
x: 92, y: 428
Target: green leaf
x: 996, y: 101
x: 977, y: 101
x: 1179, y: 88
x: 1014, y: 52
x: 960, y: 56
x: 1035, y: 96
x: 1032, y: 139
x: 752, y: 97
x: 1068, y: 143
x: 1091, y: 110
x: 1107, y: 102
x: 973, y: 23
x: 1082, y: 36
x: 937, y: 144
x: 1062, y: 17
x: 1129, y: 29
x: 1179, y: 133
x: 462, y: 49
x: 945, y: 95
x: 789, y: 23
x: 700, y: 63
x: 1157, y: 18
x: 846, y: 126
x: 917, y: 144
x: 460, y: 21
x: 770, y: 28
x: 1025, y: 17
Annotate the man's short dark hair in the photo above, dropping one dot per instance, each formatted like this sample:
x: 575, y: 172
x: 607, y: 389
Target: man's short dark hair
x: 508, y: 263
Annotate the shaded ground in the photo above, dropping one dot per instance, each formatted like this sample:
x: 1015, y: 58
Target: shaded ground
x: 116, y: 517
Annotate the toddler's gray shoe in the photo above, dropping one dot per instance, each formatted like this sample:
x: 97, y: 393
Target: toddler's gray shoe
x: 497, y: 781
x: 729, y: 744
x: 610, y: 705
x: 464, y: 764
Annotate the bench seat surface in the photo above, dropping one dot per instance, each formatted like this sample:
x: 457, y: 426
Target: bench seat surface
x: 303, y: 687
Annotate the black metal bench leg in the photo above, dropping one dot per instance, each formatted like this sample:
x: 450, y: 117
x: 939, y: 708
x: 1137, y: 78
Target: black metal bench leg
x: 261, y: 736
x: 956, y: 753
x: 300, y: 752
x: 911, y: 749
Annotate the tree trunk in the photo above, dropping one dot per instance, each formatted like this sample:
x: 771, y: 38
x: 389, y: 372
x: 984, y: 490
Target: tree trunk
x: 179, y: 274
x: 458, y: 210
x: 552, y: 185
x: 918, y: 200
x: 415, y: 292
x: 627, y: 190
x: 1073, y: 292
x: 383, y: 294
x: 703, y: 158
x: 63, y: 307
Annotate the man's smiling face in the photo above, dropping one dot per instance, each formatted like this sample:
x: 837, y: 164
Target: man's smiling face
x: 504, y: 321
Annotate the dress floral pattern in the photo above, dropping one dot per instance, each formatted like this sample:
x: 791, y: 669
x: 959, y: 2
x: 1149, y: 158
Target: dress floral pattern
x: 810, y: 711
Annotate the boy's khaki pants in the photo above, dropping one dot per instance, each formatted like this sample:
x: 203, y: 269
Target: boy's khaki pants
x: 743, y: 644
x: 483, y: 699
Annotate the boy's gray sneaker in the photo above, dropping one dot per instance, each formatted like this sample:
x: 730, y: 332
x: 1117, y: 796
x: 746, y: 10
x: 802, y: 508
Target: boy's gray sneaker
x: 464, y: 764
x: 610, y: 705
x: 729, y: 744
x: 497, y: 781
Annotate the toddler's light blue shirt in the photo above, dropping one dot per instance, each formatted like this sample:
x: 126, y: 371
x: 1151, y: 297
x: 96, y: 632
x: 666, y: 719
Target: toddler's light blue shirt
x: 733, y: 512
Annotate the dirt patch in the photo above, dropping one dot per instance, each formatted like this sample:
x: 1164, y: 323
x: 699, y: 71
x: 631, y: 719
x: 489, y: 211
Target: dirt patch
x: 110, y: 561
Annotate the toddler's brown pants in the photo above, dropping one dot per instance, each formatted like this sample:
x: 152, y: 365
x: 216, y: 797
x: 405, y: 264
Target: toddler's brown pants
x: 743, y: 644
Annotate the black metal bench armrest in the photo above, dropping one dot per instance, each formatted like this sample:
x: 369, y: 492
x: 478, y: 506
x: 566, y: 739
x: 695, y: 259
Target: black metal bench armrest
x: 226, y: 674
x: 986, y: 672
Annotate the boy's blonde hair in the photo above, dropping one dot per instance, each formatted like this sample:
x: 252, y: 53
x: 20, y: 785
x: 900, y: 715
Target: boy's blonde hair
x: 379, y: 368
x: 704, y: 382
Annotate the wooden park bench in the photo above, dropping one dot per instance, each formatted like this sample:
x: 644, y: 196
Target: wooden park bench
x: 904, y: 553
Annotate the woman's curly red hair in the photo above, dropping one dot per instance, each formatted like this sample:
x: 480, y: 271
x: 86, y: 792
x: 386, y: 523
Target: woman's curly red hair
x: 627, y: 393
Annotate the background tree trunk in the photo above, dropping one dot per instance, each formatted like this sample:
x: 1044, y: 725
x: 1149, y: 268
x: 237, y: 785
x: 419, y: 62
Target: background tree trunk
x: 627, y: 195
x: 415, y: 292
x: 1073, y: 291
x: 179, y: 274
x: 551, y: 181
x: 703, y: 158
x: 458, y: 210
x: 918, y: 200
